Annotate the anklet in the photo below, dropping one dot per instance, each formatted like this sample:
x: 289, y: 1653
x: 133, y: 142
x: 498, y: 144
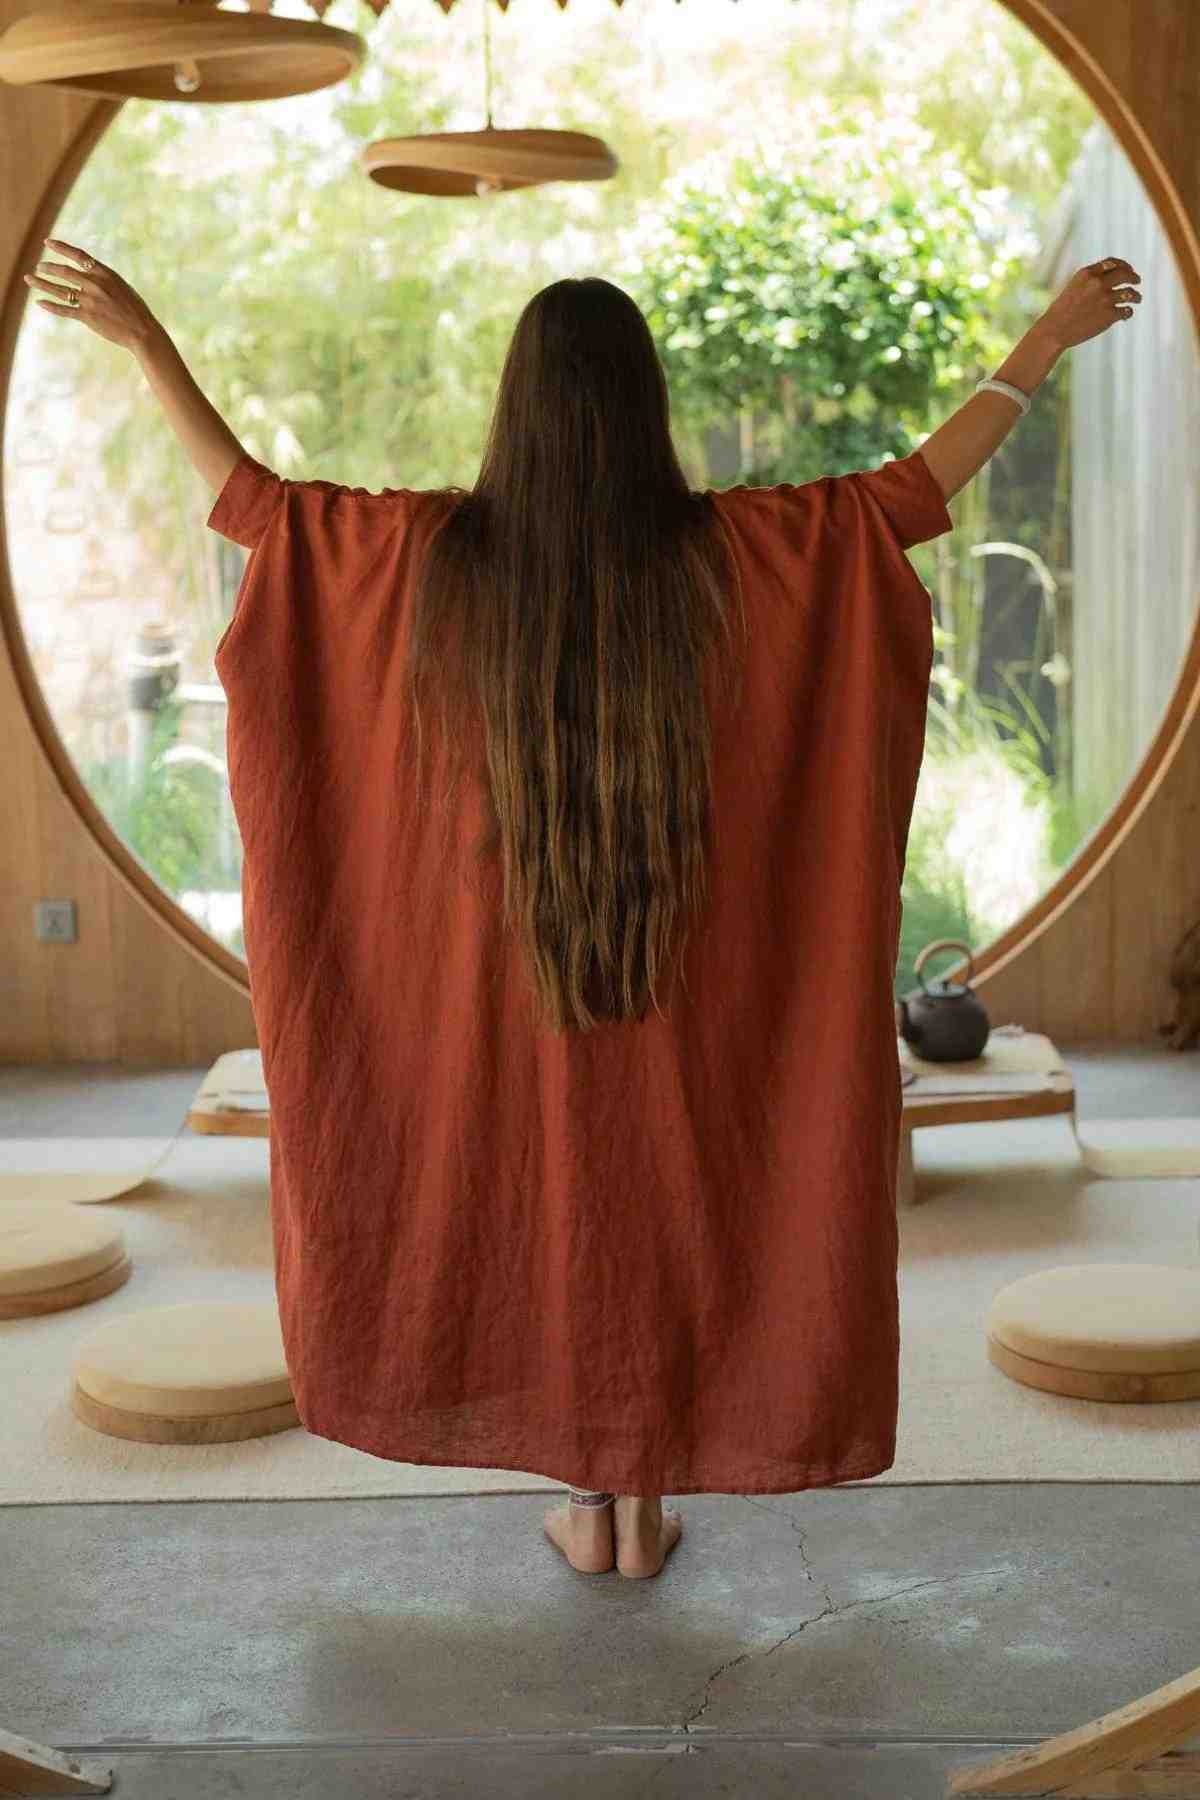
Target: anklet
x: 583, y: 1497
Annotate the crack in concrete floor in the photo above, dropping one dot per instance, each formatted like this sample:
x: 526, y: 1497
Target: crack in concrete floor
x: 831, y: 1609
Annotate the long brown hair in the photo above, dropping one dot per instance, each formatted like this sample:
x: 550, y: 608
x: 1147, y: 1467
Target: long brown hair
x: 570, y: 599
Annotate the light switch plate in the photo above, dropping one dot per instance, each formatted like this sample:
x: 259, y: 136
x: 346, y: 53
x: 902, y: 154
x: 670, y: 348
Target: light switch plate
x: 54, y: 921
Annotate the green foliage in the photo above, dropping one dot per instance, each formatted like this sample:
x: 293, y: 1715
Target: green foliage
x: 1016, y: 731
x: 967, y: 744
x: 169, y: 815
x: 1070, y: 824
x: 841, y: 282
x: 935, y: 903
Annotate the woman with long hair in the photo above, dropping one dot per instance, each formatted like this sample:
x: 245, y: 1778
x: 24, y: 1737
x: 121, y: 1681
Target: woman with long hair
x: 574, y: 811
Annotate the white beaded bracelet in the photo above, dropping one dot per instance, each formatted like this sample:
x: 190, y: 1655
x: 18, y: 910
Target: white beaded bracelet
x: 1006, y: 387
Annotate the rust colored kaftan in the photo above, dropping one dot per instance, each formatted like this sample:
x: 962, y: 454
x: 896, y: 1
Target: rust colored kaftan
x: 654, y: 1258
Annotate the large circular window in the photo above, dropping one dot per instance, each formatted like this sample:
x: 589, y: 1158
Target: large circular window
x: 828, y: 265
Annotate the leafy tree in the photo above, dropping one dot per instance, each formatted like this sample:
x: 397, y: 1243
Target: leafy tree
x: 834, y: 289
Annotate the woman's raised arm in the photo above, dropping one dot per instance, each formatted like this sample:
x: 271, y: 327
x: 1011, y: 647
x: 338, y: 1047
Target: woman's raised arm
x: 1094, y: 298
x: 101, y: 299
x: 209, y: 442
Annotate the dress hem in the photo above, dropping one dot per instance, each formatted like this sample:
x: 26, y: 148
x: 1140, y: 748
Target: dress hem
x: 798, y: 1481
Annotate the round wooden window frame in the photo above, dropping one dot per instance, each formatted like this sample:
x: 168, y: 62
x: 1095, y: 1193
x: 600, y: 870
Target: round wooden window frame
x: 1093, y: 854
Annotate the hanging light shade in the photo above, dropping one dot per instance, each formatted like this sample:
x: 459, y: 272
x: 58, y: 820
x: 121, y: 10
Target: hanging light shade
x: 452, y: 163
x: 187, y: 50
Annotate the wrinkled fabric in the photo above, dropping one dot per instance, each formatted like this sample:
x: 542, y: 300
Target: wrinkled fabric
x: 660, y: 1257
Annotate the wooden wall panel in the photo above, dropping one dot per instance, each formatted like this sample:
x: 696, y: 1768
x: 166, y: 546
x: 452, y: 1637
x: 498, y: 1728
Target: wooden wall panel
x: 142, y: 986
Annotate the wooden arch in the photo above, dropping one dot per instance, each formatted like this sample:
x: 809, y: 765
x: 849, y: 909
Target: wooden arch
x: 175, y: 995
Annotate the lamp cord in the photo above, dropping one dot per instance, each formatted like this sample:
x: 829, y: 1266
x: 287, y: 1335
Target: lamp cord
x: 487, y: 61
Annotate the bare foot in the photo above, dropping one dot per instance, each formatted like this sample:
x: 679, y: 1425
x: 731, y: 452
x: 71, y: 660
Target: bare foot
x: 644, y: 1534
x: 584, y: 1534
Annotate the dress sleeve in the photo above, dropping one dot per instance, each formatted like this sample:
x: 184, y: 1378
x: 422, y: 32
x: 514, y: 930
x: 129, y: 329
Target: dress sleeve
x: 254, y: 497
x: 313, y: 546
x: 243, y: 508
x: 909, y: 498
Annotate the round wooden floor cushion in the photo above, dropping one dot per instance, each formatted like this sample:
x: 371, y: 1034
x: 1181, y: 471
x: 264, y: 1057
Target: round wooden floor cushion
x: 54, y: 1255
x: 205, y: 1372
x: 1101, y: 1331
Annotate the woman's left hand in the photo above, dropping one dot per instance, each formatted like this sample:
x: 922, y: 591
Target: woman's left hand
x: 106, y: 303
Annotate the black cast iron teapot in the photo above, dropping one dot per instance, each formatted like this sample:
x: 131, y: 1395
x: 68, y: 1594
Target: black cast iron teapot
x: 945, y: 1022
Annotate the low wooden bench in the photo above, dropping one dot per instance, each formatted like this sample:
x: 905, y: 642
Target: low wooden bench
x: 920, y: 1110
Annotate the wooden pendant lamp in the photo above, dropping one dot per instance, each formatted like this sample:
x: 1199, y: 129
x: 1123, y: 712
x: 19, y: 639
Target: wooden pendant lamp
x: 450, y: 164
x: 175, y: 50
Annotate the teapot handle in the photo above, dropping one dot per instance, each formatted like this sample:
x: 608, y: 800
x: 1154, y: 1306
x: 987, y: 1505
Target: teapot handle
x: 943, y: 944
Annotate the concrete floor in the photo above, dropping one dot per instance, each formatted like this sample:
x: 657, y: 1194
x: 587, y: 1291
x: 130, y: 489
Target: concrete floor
x: 859, y: 1642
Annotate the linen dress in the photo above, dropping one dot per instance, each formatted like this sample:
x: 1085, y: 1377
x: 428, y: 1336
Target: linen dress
x: 659, y: 1257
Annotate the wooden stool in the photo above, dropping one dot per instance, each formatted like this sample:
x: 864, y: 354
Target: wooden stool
x: 205, y: 1372
x: 1101, y: 1331
x: 54, y: 1255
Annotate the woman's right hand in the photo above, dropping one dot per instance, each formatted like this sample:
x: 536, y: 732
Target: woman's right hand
x: 1095, y: 298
